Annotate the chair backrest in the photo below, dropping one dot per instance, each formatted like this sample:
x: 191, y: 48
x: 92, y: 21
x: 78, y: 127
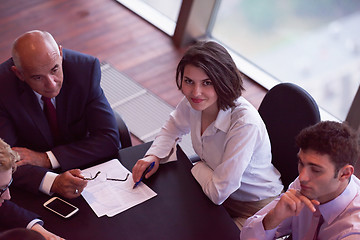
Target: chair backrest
x: 124, y: 133
x: 286, y: 109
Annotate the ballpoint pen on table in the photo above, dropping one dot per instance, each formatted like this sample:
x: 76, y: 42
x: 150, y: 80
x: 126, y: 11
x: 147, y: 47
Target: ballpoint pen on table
x: 148, y: 169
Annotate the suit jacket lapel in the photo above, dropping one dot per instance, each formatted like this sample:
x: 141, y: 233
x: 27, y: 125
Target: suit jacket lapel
x: 32, y: 106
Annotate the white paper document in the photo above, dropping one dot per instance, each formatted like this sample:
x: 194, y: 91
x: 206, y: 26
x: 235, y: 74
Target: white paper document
x: 107, y: 197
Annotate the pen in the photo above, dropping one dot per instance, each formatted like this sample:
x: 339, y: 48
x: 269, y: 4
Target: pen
x: 148, y: 169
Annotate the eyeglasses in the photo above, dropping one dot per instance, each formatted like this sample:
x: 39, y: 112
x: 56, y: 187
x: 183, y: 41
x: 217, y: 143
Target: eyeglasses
x: 5, y: 188
x: 102, y: 177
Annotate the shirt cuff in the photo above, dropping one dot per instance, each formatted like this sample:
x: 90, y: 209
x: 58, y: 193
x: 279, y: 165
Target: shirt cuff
x: 202, y: 173
x: 47, y: 182
x: 169, y: 157
x: 269, y: 234
x: 53, y: 161
x: 33, y: 222
x: 254, y: 229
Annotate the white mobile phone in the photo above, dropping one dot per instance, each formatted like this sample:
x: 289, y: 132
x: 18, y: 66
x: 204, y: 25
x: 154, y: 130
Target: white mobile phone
x: 60, y: 207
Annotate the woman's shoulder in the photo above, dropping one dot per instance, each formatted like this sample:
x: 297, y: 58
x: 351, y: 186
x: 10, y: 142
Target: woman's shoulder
x: 244, y: 108
x: 245, y: 113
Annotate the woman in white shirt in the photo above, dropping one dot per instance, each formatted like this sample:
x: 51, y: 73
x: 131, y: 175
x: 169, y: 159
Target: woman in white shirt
x: 227, y: 133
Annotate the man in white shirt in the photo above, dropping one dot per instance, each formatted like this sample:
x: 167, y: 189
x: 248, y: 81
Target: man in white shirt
x: 324, y: 201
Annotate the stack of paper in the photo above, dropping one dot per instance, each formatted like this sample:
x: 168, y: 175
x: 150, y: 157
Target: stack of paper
x: 113, y: 197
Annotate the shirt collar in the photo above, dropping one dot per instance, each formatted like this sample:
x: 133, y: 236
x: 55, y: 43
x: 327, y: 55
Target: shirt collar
x: 334, y: 208
x: 223, y: 120
x: 38, y: 96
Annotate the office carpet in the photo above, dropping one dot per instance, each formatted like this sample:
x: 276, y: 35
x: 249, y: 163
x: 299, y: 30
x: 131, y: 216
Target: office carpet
x: 143, y: 112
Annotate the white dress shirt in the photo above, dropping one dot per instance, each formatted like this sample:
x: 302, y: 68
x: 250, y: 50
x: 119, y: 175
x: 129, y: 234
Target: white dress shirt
x: 33, y: 222
x: 341, y: 218
x: 49, y: 177
x: 235, y: 152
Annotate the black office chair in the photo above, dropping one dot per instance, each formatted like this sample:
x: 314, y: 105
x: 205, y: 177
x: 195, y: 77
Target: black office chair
x: 286, y: 109
x: 125, y: 138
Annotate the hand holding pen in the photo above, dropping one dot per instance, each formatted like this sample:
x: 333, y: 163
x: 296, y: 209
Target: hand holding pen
x: 148, y: 169
x: 144, y: 168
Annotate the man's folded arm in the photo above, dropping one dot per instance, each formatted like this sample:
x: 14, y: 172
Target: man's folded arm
x: 25, y: 173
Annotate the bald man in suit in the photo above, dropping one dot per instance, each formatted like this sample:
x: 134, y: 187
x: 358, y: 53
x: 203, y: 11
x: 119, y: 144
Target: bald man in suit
x: 41, y: 71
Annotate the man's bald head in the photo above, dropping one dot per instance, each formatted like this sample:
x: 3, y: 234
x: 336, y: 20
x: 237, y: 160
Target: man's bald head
x: 38, y: 62
x: 31, y: 45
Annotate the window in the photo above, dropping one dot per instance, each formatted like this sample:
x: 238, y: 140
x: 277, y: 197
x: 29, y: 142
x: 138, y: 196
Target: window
x: 315, y: 44
x: 169, y: 8
x: 161, y: 13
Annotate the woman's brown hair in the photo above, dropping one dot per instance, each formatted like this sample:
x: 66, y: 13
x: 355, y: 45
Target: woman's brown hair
x: 218, y: 65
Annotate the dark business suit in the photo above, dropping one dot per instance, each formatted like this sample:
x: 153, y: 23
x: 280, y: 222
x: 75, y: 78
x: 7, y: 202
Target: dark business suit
x: 13, y: 216
x: 87, y: 126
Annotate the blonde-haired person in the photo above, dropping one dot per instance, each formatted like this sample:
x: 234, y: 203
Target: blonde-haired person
x: 11, y: 215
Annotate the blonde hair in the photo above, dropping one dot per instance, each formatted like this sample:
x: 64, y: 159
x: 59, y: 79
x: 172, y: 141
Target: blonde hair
x: 8, y: 157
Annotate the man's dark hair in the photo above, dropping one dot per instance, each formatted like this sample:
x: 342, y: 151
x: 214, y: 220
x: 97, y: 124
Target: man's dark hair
x: 338, y: 140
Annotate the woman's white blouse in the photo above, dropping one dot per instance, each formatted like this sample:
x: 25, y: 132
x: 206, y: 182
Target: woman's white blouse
x: 235, y: 152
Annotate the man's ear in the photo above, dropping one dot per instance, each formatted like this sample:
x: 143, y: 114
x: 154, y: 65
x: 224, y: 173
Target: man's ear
x: 346, y: 172
x: 17, y: 73
x: 60, y: 50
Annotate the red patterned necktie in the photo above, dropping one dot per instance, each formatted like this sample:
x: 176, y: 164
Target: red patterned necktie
x: 50, y: 113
